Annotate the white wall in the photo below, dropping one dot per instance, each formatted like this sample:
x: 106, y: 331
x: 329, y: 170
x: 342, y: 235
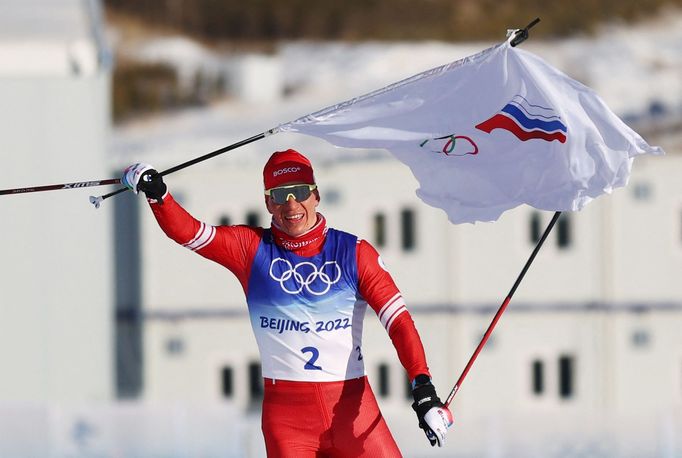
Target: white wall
x: 55, y: 275
x: 647, y: 233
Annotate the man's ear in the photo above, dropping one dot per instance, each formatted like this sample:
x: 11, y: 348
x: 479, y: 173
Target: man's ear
x: 267, y: 204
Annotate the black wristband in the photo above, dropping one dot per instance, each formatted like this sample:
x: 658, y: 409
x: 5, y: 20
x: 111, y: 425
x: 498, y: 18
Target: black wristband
x: 425, y: 398
x: 421, y: 379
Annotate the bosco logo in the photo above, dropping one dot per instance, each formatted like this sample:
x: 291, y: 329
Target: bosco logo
x: 285, y: 170
x: 305, y: 275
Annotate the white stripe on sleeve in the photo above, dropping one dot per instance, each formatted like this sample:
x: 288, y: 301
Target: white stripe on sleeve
x: 394, y: 316
x: 203, y: 237
x: 394, y: 307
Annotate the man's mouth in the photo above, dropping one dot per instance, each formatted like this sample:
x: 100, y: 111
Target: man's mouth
x: 294, y: 218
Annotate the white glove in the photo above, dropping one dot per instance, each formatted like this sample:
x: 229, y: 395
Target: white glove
x: 438, y: 420
x: 132, y: 174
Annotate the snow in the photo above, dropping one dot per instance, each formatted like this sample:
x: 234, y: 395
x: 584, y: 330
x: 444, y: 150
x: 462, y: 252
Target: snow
x: 185, y: 55
x: 630, y: 67
x: 637, y: 70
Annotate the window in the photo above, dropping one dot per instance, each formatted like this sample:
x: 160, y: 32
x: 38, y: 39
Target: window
x: 175, y: 346
x: 253, y: 219
x: 380, y: 229
x: 224, y: 220
x: 408, y: 231
x: 641, y: 338
x: 566, y: 376
x: 535, y: 230
x: 255, y: 382
x: 563, y: 230
x: 331, y: 196
x: 226, y: 382
x: 489, y: 343
x: 384, y: 371
x: 641, y: 191
x: 538, y: 377
x: 564, y: 236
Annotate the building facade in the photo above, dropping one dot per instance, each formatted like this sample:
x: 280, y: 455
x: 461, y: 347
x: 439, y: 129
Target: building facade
x: 55, y: 73
x: 588, y: 354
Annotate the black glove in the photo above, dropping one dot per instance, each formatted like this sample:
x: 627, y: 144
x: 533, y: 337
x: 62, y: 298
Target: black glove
x: 425, y: 398
x: 152, y: 185
x: 143, y: 177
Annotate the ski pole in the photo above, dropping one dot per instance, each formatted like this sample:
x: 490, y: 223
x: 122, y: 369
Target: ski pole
x: 97, y: 201
x: 56, y: 187
x: 501, y: 310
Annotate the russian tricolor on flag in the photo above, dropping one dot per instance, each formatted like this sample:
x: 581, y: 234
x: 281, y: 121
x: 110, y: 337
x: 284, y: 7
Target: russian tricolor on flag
x: 526, y: 121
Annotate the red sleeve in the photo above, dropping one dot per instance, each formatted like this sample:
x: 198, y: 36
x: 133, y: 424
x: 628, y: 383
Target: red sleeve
x: 381, y: 293
x: 233, y: 247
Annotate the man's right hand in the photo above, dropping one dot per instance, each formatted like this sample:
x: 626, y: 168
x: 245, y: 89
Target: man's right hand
x: 143, y: 177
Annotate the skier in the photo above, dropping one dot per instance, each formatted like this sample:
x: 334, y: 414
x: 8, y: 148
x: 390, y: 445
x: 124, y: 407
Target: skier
x: 307, y: 287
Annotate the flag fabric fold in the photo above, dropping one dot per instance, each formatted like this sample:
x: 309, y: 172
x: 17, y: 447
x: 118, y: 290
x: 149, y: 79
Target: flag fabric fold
x: 489, y: 132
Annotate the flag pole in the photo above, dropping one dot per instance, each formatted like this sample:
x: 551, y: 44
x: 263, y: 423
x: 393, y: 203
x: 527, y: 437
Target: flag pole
x: 519, y: 36
x: 522, y: 34
x: 502, y: 308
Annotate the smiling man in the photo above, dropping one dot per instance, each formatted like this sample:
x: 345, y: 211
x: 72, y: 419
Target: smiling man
x: 307, y: 288
x: 289, y: 184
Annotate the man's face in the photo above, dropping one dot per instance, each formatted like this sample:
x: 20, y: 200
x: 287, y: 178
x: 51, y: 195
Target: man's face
x: 294, y: 217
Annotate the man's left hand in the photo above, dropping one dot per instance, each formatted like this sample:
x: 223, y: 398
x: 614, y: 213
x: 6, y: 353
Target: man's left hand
x: 434, y: 417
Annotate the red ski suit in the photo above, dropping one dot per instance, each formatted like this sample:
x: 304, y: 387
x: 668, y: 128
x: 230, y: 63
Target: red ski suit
x: 335, y: 415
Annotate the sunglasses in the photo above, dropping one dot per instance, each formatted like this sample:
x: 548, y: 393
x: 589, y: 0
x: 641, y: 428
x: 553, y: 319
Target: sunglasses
x: 300, y: 192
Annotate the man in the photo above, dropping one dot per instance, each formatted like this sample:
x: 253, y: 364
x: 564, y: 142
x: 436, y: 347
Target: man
x: 307, y: 287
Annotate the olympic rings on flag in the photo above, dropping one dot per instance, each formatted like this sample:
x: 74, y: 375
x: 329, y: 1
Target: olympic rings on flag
x: 449, y: 146
x: 305, y: 275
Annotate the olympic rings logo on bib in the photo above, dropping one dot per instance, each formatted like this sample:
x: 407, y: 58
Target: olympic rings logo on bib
x: 305, y: 275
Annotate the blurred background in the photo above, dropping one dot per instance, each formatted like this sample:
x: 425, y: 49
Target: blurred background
x: 115, y: 342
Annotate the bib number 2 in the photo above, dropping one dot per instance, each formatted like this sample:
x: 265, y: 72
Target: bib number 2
x: 314, y: 354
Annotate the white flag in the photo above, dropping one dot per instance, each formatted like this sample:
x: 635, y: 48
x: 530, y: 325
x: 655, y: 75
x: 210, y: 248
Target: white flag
x: 489, y: 132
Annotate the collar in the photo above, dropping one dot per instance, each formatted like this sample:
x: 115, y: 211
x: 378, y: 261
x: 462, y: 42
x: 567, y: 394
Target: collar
x: 307, y: 244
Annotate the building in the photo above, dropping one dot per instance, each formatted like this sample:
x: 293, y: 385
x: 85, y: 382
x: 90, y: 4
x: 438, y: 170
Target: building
x: 56, y: 276
x: 56, y: 273
x: 594, y: 323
